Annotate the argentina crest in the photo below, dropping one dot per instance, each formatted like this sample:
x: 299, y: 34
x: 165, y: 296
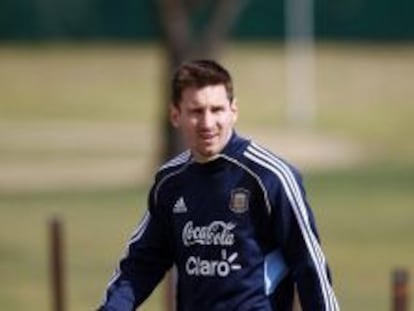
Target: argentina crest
x: 239, y: 200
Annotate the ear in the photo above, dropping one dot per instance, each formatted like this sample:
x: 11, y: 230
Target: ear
x: 235, y: 109
x: 175, y: 115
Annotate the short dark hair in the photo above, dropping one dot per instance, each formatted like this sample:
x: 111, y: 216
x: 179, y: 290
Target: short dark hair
x: 198, y: 74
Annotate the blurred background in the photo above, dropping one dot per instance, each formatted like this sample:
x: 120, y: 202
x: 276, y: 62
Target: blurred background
x: 328, y: 85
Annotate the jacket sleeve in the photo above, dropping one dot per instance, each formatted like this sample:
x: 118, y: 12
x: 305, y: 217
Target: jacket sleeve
x: 147, y: 258
x: 301, y: 247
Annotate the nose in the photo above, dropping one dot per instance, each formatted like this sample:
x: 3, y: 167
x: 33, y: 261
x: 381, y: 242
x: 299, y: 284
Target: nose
x: 207, y: 120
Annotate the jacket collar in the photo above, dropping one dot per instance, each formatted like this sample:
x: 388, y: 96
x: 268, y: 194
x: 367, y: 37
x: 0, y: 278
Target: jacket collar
x: 235, y: 145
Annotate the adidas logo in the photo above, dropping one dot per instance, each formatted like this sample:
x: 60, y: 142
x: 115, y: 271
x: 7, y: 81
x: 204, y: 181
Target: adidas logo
x: 179, y: 206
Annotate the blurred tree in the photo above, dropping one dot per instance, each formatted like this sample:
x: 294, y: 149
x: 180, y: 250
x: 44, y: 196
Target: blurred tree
x: 192, y: 29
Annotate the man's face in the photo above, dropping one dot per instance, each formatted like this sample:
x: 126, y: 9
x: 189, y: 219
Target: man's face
x: 205, y: 117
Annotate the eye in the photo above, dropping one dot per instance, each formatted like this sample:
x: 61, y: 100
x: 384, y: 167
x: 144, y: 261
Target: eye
x: 196, y: 111
x: 217, y: 109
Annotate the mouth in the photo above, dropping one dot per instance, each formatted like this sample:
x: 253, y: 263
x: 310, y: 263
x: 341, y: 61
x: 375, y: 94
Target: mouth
x: 207, y: 136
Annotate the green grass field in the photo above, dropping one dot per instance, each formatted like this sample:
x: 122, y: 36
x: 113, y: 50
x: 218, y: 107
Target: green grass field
x: 72, y: 116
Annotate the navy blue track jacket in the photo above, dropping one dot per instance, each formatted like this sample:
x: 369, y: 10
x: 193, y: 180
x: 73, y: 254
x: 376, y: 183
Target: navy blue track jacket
x: 238, y: 230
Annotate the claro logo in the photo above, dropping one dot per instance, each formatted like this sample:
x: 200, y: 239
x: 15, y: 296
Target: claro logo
x: 197, y: 266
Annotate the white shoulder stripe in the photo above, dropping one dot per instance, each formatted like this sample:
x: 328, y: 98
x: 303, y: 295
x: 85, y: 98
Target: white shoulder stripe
x: 295, y: 196
x: 306, y: 235
x: 278, y: 163
x: 285, y: 175
x: 271, y: 158
x: 173, y: 173
x: 136, y: 235
x: 139, y: 231
x: 296, y: 201
x: 179, y: 159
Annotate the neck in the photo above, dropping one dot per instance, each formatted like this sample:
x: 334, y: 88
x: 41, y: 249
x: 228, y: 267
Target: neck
x: 205, y: 159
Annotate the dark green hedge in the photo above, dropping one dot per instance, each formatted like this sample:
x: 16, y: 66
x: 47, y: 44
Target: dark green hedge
x: 137, y: 19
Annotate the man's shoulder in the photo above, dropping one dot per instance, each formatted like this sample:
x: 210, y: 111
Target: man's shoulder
x: 173, y: 165
x: 268, y: 164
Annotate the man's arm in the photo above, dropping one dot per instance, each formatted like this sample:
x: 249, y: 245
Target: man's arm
x: 301, y: 247
x: 146, y: 260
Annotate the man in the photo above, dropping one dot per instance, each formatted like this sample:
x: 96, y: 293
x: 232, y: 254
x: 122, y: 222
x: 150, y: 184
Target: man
x: 231, y: 216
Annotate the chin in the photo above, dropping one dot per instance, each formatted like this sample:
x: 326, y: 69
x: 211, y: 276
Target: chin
x: 208, y: 153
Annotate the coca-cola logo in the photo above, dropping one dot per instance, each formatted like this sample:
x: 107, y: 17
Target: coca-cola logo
x: 216, y: 233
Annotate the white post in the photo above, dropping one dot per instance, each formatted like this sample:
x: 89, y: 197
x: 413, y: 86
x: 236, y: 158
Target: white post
x: 300, y: 61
